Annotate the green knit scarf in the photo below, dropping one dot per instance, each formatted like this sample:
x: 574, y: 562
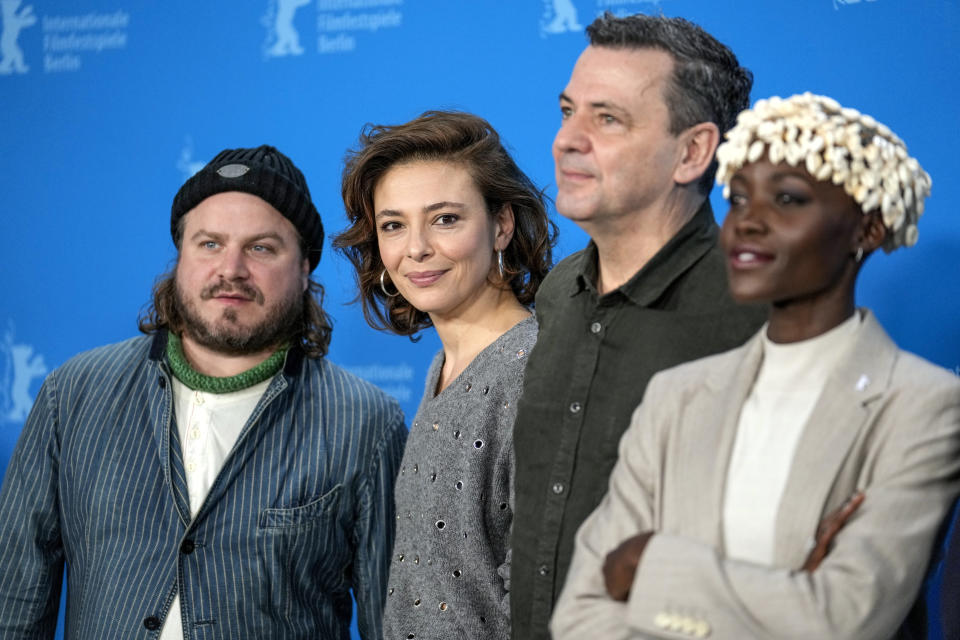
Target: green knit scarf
x: 198, y: 381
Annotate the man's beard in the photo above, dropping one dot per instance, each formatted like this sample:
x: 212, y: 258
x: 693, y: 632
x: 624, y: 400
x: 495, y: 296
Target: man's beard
x: 226, y: 336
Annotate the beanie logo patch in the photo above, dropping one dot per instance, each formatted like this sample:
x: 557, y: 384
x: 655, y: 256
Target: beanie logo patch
x: 232, y: 170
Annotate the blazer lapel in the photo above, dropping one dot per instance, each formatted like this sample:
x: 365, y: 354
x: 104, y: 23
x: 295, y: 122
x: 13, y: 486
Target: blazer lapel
x: 708, y: 445
x: 845, y: 408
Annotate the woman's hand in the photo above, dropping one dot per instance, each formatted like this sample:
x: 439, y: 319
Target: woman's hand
x: 828, y: 530
x: 621, y: 564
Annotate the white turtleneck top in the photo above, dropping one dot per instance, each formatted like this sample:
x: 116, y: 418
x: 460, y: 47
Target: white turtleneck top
x: 787, y: 387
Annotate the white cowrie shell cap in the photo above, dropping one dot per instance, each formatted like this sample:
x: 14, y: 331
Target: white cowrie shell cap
x: 838, y: 145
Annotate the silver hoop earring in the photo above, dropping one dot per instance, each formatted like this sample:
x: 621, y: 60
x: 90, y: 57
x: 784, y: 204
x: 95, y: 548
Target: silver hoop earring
x: 500, y: 263
x: 383, y: 286
x: 859, y: 255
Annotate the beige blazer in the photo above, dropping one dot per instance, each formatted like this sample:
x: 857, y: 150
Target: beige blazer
x: 887, y: 422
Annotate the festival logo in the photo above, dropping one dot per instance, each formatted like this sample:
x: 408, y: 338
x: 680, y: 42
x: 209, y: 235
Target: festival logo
x: 186, y: 164
x: 560, y: 16
x: 282, y: 38
x: 15, y: 20
x: 394, y: 379
x: 19, y: 367
x: 71, y: 40
x: 838, y: 3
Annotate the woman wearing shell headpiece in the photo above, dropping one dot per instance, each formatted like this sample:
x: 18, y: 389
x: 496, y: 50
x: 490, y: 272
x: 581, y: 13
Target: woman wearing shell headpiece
x: 791, y: 488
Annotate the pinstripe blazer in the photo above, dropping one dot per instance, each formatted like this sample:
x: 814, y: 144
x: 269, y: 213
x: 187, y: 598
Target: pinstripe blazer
x: 887, y: 422
x: 301, y: 512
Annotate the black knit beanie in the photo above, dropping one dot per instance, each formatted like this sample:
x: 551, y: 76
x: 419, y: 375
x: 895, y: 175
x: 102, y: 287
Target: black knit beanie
x: 263, y: 172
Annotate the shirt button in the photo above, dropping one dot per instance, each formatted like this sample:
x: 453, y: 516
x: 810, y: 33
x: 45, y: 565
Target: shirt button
x: 194, y: 433
x: 544, y: 570
x: 596, y: 327
x: 187, y: 547
x: 191, y: 467
x: 575, y: 407
x: 198, y: 397
x: 557, y: 488
x: 152, y: 623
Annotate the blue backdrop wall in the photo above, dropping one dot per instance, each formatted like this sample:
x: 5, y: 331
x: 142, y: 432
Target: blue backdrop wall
x: 109, y: 105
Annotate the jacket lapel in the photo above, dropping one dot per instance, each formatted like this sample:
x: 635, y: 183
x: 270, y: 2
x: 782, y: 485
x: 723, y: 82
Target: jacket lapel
x: 178, y: 477
x: 844, y: 410
x: 708, y: 443
x: 246, y: 445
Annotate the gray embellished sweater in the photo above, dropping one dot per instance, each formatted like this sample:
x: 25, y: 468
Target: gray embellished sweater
x: 449, y: 575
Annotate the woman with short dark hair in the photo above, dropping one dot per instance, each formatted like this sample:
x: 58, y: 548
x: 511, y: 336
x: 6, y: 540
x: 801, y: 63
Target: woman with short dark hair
x: 446, y: 231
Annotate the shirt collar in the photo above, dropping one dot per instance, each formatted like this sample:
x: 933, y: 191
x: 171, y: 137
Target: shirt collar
x: 682, y: 251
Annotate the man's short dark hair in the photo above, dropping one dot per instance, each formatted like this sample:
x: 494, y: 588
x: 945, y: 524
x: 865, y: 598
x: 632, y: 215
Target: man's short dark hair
x: 708, y: 84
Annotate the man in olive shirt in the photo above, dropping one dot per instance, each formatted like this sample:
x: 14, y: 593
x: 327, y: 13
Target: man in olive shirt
x: 642, y: 114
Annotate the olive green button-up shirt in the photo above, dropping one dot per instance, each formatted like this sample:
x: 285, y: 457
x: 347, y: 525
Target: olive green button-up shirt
x: 586, y: 375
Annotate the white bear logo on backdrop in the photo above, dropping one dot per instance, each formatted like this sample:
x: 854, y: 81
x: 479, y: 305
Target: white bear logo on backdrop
x: 186, y: 164
x: 19, y: 367
x: 14, y: 21
x: 559, y: 16
x: 282, y: 38
x: 837, y: 3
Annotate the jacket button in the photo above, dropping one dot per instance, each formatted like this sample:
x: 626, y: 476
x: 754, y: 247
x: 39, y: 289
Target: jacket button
x: 162, y: 382
x: 187, y: 547
x: 544, y: 570
x: 152, y: 623
x: 575, y: 407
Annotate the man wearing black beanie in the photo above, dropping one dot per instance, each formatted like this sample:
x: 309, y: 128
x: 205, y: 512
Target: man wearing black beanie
x: 216, y: 477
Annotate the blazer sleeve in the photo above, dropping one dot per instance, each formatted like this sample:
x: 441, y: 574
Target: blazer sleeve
x: 31, y: 564
x: 685, y: 588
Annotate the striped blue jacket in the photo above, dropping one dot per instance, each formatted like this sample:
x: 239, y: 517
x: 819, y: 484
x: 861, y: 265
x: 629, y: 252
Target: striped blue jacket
x: 301, y: 513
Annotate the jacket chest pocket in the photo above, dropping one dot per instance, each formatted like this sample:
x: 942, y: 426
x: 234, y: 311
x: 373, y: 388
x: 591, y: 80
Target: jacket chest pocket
x: 305, y: 548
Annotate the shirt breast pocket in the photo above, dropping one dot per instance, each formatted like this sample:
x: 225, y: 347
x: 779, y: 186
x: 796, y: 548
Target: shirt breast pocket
x: 305, y: 548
